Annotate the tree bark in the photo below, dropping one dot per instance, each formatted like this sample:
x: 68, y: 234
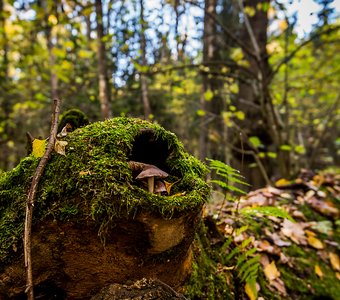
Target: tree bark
x: 259, y: 117
x: 50, y: 46
x: 5, y: 105
x: 143, y: 78
x: 211, y: 126
x: 4, y: 65
x: 103, y: 79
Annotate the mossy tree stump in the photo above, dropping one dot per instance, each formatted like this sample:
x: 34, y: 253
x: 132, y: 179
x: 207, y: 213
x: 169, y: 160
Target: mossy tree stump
x: 94, y: 223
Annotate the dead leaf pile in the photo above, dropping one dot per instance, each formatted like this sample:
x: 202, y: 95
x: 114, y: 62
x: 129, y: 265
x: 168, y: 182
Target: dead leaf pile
x: 307, y: 248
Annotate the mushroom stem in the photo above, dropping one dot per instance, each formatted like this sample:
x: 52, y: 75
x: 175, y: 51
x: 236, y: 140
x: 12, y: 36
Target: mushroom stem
x: 151, y: 183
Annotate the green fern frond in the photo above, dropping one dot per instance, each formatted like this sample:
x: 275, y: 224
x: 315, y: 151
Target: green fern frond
x: 267, y: 211
x: 228, y: 187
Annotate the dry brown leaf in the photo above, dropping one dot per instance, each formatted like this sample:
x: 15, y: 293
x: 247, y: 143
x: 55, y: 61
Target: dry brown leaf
x: 324, y: 207
x: 294, y: 231
x: 255, y: 200
x: 271, y: 271
x: 65, y: 130
x: 279, y: 285
x: 335, y: 261
x: 318, y: 271
x: 60, y: 146
x: 278, y: 241
x: 299, y: 214
x: 272, y: 190
x: 267, y: 247
x: 314, y: 242
x: 283, y: 258
x: 264, y: 260
x: 309, y: 194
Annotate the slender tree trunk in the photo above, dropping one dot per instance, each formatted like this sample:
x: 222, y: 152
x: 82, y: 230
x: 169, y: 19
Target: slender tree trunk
x: 4, y: 65
x: 211, y: 127
x: 143, y: 78
x: 4, y: 81
x: 103, y: 79
x: 50, y: 46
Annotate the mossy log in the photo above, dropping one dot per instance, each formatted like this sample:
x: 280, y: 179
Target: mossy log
x: 94, y: 223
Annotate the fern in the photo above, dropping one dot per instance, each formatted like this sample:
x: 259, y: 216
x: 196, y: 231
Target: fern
x: 267, y: 211
x: 229, y: 175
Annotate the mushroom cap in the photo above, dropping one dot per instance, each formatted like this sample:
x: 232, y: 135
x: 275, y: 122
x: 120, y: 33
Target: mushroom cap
x: 159, y: 187
x: 152, y: 171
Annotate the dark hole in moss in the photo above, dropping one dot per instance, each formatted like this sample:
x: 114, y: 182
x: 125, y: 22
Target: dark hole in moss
x: 150, y: 149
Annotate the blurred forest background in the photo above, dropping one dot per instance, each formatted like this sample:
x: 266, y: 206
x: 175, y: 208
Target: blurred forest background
x: 232, y: 78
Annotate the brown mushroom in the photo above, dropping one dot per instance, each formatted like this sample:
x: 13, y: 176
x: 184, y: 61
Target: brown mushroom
x: 159, y: 187
x: 150, y: 173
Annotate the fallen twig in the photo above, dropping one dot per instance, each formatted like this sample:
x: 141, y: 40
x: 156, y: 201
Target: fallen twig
x: 31, y: 196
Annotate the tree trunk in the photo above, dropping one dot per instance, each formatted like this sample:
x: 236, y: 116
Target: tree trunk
x: 4, y: 81
x: 4, y: 65
x: 254, y: 91
x: 143, y: 78
x: 50, y: 46
x: 103, y: 79
x: 212, y: 127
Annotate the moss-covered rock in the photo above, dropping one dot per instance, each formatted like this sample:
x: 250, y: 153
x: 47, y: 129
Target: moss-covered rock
x: 93, y: 181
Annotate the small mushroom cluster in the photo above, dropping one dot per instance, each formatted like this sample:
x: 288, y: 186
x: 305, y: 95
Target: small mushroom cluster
x: 150, y: 174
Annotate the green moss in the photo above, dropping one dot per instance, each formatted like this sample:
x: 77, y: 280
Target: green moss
x: 208, y: 279
x: 311, y: 214
x: 94, y: 182
x: 75, y: 117
x: 301, y: 280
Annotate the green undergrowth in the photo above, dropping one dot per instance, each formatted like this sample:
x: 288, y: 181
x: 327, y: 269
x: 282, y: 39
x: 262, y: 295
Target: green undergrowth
x: 245, y: 245
x: 208, y: 279
x: 93, y: 181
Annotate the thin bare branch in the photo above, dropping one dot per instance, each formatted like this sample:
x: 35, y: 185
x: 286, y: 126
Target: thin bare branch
x: 31, y: 197
x: 298, y: 48
x: 250, y: 32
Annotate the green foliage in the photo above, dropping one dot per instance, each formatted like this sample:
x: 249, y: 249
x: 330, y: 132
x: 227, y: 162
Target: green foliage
x: 229, y: 175
x: 266, y: 211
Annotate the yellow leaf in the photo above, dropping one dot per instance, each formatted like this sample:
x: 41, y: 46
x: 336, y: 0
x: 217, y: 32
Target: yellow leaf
x: 83, y: 173
x: 271, y: 271
x: 52, y: 19
x: 318, y: 271
x: 168, y: 186
x: 250, y: 289
x: 59, y: 147
x: 314, y: 242
x: 250, y: 11
x: 337, y: 274
x: 38, y: 148
x: 208, y: 95
x: 282, y: 182
x: 335, y: 262
x: 179, y: 194
x: 309, y: 233
x: 283, y: 25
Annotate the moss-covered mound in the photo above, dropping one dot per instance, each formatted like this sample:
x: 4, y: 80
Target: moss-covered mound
x: 93, y: 183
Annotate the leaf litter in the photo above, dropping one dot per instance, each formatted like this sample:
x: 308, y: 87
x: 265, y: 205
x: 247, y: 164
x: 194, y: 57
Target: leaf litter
x: 305, y: 244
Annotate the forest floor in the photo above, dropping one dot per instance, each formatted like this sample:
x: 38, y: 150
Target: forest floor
x: 278, y: 242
